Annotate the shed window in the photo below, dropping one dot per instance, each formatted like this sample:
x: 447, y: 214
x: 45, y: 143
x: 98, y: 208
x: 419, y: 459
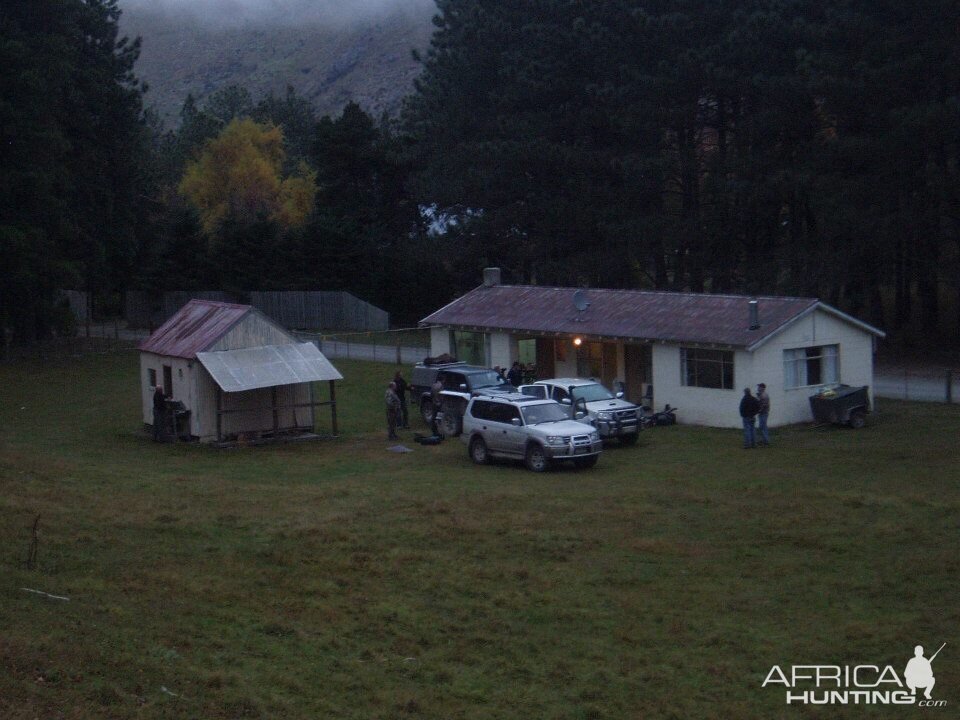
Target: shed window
x: 818, y: 365
x: 707, y: 368
x: 151, y: 377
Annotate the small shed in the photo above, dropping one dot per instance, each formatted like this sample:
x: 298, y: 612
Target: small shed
x: 233, y: 372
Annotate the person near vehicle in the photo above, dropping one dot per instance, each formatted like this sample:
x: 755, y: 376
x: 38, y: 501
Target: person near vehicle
x: 749, y: 407
x: 402, y: 388
x: 159, y: 412
x: 762, y: 415
x: 499, y: 371
x: 393, y: 410
x: 436, y: 399
x: 515, y: 375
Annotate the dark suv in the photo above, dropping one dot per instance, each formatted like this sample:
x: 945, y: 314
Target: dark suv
x: 460, y: 382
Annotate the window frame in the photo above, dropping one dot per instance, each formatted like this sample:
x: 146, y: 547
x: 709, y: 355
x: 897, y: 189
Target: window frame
x: 723, y: 362
x: 791, y: 379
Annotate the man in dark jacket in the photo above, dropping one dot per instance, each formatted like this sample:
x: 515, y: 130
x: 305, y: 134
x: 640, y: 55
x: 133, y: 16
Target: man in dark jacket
x: 749, y: 407
x: 159, y: 413
x: 515, y: 375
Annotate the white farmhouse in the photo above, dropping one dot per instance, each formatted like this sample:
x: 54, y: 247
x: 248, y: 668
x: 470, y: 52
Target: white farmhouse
x: 693, y: 351
x: 234, y: 373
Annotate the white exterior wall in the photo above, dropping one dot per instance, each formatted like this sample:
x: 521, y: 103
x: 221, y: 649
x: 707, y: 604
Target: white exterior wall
x: 184, y: 386
x: 818, y: 328
x: 696, y: 405
x: 719, y: 408
x: 440, y: 341
x: 502, y: 349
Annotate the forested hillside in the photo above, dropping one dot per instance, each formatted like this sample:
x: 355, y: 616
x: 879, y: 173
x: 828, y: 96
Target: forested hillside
x: 750, y: 146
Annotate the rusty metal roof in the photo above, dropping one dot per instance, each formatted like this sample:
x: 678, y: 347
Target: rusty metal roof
x: 652, y: 316
x: 194, y: 328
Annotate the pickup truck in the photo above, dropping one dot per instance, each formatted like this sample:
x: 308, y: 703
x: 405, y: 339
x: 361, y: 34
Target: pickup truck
x: 610, y: 414
x: 460, y: 382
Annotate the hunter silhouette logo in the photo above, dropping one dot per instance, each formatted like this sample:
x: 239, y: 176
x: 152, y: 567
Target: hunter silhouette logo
x: 919, y: 673
x: 861, y: 684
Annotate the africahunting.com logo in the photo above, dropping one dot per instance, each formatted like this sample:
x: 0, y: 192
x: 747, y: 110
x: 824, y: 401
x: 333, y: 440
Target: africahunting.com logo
x: 859, y: 684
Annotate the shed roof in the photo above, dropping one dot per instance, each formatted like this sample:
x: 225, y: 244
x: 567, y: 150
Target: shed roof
x: 267, y: 366
x: 194, y: 327
x: 697, y: 318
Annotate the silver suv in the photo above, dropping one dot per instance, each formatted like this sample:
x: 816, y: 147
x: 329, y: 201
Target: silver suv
x: 540, y: 432
x: 592, y: 403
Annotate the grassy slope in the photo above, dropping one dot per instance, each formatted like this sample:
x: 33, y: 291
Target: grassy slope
x: 336, y: 579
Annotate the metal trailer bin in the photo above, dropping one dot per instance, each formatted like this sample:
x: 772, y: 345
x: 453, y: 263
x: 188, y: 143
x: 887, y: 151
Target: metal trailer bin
x: 841, y: 405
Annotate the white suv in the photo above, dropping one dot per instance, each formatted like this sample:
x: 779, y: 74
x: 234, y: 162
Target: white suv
x: 540, y: 432
x: 589, y: 401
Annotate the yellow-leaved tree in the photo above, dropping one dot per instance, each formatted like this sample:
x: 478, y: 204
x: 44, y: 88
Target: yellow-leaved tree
x: 238, y: 178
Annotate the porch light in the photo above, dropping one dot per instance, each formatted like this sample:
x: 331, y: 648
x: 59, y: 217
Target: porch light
x: 578, y: 341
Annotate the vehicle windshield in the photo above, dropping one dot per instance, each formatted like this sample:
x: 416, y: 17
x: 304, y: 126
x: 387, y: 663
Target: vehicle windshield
x: 547, y: 412
x: 592, y: 393
x: 486, y: 379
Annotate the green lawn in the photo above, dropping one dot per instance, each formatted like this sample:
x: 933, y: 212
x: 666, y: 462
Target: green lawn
x: 338, y: 580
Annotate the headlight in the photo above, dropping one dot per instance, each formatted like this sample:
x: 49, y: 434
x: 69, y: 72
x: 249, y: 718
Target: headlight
x: 604, y: 416
x: 556, y: 440
x: 594, y: 436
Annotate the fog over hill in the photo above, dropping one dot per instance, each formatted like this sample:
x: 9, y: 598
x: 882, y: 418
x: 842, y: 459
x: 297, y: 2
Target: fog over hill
x: 330, y: 52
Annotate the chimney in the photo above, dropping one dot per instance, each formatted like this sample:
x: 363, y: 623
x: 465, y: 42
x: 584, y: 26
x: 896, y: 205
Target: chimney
x: 754, y: 314
x: 491, y: 276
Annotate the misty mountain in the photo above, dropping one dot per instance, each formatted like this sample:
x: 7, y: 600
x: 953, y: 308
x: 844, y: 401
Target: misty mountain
x: 330, y: 53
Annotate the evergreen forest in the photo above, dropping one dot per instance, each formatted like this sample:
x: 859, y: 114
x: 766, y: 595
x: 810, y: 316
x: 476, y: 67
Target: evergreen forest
x: 732, y: 146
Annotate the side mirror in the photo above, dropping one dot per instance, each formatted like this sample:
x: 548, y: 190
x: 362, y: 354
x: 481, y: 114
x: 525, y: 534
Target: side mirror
x: 619, y: 395
x: 463, y: 387
x: 580, y: 415
x: 515, y: 422
x: 565, y: 401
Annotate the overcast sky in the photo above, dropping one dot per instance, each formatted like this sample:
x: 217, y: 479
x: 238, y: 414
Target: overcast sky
x: 286, y: 12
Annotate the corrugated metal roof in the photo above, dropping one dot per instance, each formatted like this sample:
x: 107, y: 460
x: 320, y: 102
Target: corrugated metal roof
x: 630, y: 314
x: 194, y: 327
x: 267, y: 366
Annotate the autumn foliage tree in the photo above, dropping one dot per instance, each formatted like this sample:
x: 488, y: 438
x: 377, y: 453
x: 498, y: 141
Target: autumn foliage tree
x: 237, y: 180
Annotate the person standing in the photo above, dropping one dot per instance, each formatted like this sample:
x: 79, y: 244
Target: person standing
x: 437, y: 402
x: 393, y: 411
x: 402, y: 388
x: 159, y: 413
x: 762, y: 415
x: 749, y: 406
x: 515, y: 375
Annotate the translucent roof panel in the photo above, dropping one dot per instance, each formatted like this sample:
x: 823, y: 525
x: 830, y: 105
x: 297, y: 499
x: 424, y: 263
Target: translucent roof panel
x: 267, y: 366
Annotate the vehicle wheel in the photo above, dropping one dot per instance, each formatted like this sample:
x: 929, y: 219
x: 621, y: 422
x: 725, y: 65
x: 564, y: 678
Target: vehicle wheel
x: 586, y: 463
x: 451, y: 424
x: 536, y: 458
x: 857, y: 420
x: 629, y: 439
x: 478, y: 451
x: 426, y: 411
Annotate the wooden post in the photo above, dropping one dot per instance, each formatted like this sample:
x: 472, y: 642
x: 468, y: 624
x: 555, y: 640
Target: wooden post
x: 219, y: 414
x: 949, y: 386
x: 333, y: 407
x: 273, y: 402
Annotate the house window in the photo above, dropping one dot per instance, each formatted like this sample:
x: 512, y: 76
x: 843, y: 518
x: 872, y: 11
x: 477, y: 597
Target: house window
x: 707, y: 368
x: 168, y: 381
x: 470, y: 347
x: 818, y: 365
x: 151, y: 377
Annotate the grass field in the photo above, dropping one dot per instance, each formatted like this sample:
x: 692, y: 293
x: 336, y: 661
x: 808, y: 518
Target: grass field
x: 338, y: 580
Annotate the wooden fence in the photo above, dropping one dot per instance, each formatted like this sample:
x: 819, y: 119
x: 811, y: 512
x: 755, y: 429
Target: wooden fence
x: 294, y: 309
